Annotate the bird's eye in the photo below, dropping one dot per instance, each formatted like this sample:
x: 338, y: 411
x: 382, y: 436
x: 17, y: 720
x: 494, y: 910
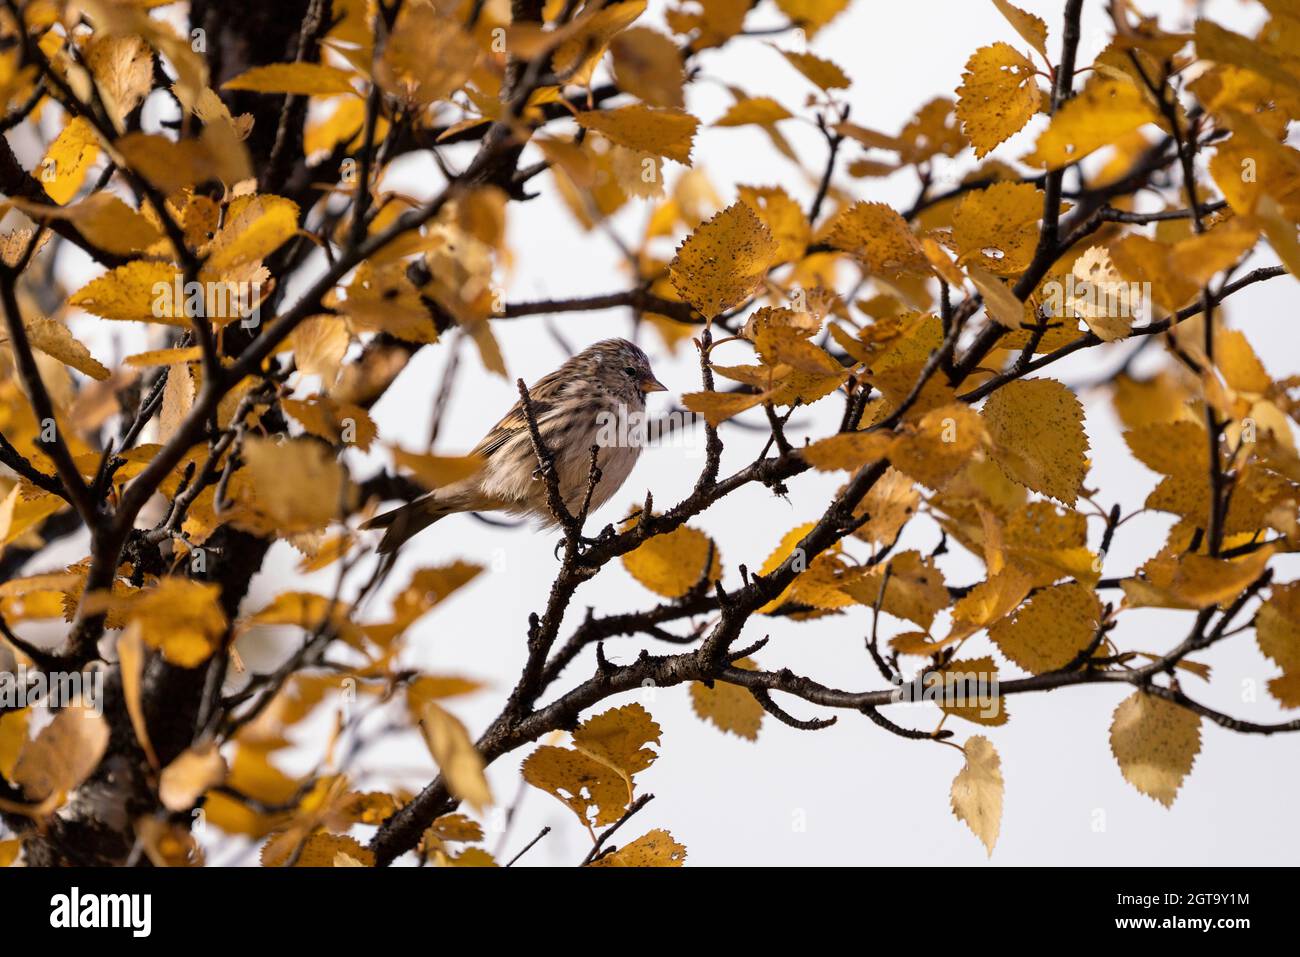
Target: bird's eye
x: 630, y: 371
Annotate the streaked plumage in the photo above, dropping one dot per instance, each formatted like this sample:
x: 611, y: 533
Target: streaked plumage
x: 607, y: 379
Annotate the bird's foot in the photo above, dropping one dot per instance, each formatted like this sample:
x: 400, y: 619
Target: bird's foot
x: 584, y: 544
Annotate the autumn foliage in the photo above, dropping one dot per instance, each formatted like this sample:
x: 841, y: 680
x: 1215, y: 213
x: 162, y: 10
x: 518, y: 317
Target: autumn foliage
x: 216, y: 172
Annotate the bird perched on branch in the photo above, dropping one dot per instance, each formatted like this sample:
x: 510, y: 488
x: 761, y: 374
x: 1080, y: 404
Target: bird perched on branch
x: 586, y: 402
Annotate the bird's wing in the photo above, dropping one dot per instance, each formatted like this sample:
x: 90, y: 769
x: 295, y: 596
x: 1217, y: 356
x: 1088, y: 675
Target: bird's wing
x: 541, y: 396
x: 502, y: 432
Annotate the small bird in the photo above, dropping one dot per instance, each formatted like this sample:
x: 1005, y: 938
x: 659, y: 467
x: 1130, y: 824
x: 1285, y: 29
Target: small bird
x: 580, y: 404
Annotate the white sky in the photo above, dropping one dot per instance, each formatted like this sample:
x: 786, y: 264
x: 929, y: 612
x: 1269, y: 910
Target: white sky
x: 852, y: 794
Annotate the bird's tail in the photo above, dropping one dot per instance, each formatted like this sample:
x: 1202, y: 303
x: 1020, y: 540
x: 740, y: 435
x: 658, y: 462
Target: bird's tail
x: 405, y: 521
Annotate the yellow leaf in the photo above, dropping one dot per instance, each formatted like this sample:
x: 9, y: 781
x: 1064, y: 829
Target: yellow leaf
x: 453, y: 827
x: 999, y: 301
x: 428, y: 688
x: 881, y: 238
x: 200, y: 217
x: 821, y: 586
x: 1286, y: 689
x: 662, y: 131
x: 13, y: 738
x: 25, y: 507
x: 942, y: 262
x: 339, y: 423
x: 1036, y: 427
x: 1199, y: 257
x: 781, y: 345
x: 296, y: 484
x: 783, y: 217
x: 103, y: 219
x: 252, y: 774
x: 119, y: 19
x: 458, y: 760
x: 255, y: 227
x: 997, y: 228
x: 1103, y: 300
x: 648, y: 65
x: 346, y: 121
x: 190, y: 775
x: 990, y: 601
x: 1281, y: 233
x: 55, y: 339
x: 1029, y: 26
x: 1277, y: 626
x: 849, y: 450
x: 724, y: 261
x: 1171, y: 448
x: 304, y: 609
x: 172, y: 165
x: 758, y: 110
x: 130, y: 656
x: 1105, y: 110
x: 582, y: 51
x: 1193, y: 581
x: 1155, y: 743
x: 324, y: 553
x: 933, y: 449
x: 655, y: 849
x: 139, y: 291
x: 427, y: 56
x: 430, y: 586
x: 68, y: 160
x: 1253, y: 167
x: 914, y: 588
x: 1190, y: 263
x: 320, y: 849
x: 123, y: 69
x: 729, y: 707
x: 1141, y: 402
x: 890, y: 503
x: 305, y: 79
x: 178, y: 399
x: 934, y: 131
x: 180, y: 617
x: 35, y: 596
x: 63, y: 755
x: 620, y: 738
x: 435, y: 471
x: 811, y: 15
x: 1241, y: 368
x: 969, y: 691
x: 823, y: 73
x: 977, y: 791
x: 784, y: 549
x: 1049, y: 631
x: 592, y: 790
x: 1214, y: 42
x: 383, y: 299
x: 674, y: 563
x: 319, y: 345
x: 998, y: 95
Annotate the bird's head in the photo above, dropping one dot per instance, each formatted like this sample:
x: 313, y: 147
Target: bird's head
x: 625, y: 367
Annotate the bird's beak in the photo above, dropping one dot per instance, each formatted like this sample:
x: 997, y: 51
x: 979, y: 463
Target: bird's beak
x: 651, y: 384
